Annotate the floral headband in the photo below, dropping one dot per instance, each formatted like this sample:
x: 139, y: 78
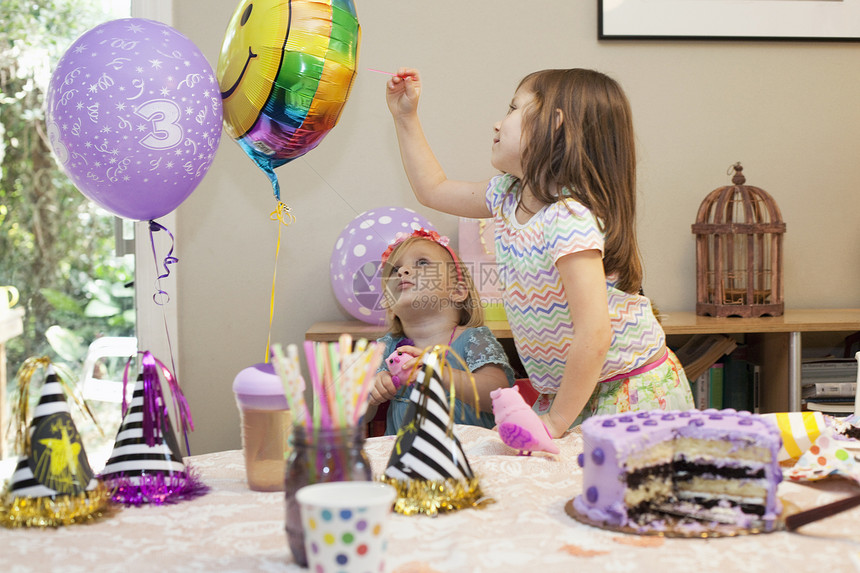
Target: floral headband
x: 422, y: 233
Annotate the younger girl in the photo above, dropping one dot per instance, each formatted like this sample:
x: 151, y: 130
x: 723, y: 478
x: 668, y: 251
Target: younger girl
x: 431, y: 300
x: 564, y: 210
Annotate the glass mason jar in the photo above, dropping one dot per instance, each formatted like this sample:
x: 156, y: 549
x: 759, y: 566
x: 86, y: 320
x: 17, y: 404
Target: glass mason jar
x: 324, y: 455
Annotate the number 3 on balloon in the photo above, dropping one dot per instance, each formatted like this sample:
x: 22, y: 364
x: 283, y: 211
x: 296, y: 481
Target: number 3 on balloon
x: 164, y: 116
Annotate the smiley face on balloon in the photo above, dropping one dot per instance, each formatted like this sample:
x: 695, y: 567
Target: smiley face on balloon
x: 247, y: 56
x: 285, y: 72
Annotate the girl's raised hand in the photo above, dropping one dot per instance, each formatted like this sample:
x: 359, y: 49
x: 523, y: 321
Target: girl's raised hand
x: 402, y: 92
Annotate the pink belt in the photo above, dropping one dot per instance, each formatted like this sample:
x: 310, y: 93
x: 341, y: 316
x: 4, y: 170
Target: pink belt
x: 641, y: 370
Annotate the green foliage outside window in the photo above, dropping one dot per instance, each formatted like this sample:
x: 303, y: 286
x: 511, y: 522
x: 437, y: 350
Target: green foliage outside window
x: 56, y: 246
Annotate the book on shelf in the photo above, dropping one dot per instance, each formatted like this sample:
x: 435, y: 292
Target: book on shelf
x: 731, y: 383
x: 836, y: 406
x: 701, y: 351
x: 827, y: 369
x: 701, y: 388
x: 708, y: 388
x: 756, y: 389
x: 739, y: 383
x: 715, y: 391
x: 829, y: 389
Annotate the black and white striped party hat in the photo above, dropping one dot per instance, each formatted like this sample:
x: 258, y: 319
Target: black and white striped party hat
x: 132, y: 457
x: 426, y: 448
x: 53, y: 483
x: 146, y: 465
x: 56, y: 463
x: 428, y: 466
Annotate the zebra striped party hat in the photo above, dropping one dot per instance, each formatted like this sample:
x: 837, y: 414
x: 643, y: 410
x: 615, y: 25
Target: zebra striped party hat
x: 146, y: 465
x: 428, y: 465
x: 52, y: 484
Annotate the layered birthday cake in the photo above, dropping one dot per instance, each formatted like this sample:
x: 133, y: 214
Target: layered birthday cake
x: 644, y: 469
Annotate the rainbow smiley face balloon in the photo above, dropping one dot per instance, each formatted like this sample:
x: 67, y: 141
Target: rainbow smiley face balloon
x: 285, y: 72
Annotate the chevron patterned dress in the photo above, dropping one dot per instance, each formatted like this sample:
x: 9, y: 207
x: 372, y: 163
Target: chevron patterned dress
x: 535, y: 301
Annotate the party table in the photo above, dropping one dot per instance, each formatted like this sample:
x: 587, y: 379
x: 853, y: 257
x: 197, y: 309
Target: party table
x: 526, y: 529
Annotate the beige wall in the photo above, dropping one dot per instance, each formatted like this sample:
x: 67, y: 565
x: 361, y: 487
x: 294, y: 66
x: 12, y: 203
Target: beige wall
x: 788, y: 111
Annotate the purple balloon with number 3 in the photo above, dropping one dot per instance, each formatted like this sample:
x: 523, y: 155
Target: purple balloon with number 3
x: 134, y: 117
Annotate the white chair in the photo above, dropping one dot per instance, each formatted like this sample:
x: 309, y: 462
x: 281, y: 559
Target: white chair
x: 107, y: 347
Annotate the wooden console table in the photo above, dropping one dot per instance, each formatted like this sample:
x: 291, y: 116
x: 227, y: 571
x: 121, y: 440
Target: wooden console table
x: 775, y: 342
x: 11, y: 325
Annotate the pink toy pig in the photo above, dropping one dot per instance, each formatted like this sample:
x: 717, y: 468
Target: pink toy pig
x: 518, y: 425
x: 395, y: 363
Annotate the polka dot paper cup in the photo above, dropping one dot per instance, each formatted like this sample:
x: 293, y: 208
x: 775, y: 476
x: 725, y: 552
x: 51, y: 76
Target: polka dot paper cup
x: 344, y: 524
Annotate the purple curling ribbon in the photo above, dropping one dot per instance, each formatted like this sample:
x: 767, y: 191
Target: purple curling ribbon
x: 169, y: 259
x: 154, y: 404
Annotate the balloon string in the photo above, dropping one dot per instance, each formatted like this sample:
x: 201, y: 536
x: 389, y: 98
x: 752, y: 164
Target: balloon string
x: 172, y: 362
x: 161, y: 297
x: 180, y: 402
x: 282, y: 215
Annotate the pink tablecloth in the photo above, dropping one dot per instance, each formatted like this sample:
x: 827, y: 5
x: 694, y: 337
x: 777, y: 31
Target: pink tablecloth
x: 527, y: 529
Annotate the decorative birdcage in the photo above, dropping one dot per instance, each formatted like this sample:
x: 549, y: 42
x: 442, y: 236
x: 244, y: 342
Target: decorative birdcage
x: 739, y: 231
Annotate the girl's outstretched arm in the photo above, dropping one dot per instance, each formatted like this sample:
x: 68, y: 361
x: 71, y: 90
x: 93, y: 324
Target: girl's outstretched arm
x: 487, y: 379
x: 585, y: 289
x: 431, y: 186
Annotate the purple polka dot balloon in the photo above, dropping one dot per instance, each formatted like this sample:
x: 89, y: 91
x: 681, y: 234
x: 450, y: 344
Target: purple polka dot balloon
x: 355, y: 260
x: 134, y: 117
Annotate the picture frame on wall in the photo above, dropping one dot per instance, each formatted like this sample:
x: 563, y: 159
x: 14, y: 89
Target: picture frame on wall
x: 786, y: 20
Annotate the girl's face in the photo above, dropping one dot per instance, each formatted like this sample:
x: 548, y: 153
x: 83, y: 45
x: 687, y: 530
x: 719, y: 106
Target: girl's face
x: 507, y: 135
x: 420, y: 278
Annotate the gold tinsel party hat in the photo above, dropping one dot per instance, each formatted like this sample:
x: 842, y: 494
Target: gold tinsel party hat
x: 53, y: 483
x: 428, y: 466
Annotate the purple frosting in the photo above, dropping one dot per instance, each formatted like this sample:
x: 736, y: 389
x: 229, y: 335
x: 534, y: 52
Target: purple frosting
x: 615, y: 442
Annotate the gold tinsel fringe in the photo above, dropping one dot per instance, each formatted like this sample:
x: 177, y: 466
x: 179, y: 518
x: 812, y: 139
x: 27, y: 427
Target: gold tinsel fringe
x: 434, y: 497
x: 55, y: 511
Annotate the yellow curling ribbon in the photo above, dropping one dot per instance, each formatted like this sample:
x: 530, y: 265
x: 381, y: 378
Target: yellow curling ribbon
x: 442, y: 351
x: 285, y: 218
x: 22, y: 402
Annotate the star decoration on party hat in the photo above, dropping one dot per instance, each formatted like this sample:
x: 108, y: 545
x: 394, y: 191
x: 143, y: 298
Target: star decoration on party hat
x: 428, y: 466
x: 53, y: 484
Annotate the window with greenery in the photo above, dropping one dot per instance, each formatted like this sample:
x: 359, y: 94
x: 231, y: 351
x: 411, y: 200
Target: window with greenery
x: 56, y: 247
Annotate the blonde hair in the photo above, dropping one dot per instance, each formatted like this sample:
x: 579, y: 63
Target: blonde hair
x: 471, y: 311
x: 590, y: 155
